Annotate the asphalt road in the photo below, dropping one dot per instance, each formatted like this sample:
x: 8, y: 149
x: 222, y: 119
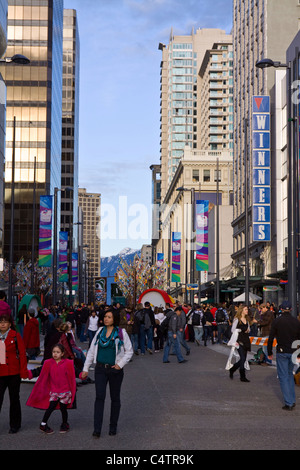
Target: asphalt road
x: 180, y: 408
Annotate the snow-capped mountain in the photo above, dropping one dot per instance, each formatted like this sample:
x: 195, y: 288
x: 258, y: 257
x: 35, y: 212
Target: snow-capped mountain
x: 110, y: 264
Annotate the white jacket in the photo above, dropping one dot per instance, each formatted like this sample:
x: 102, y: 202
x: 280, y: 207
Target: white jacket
x: 123, y: 355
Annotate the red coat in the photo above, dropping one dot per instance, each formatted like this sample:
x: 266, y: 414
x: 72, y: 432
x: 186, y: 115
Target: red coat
x: 14, y: 366
x: 54, y: 377
x: 31, y: 334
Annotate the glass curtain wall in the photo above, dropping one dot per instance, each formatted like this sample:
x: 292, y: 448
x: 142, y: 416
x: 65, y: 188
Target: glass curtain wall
x: 35, y: 29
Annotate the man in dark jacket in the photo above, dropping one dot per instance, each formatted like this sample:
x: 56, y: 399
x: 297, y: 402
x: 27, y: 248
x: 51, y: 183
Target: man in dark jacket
x: 147, y: 325
x: 172, y: 339
x: 286, y: 330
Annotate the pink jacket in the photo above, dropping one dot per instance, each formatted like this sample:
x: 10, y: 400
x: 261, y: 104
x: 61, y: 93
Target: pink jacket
x: 54, y: 377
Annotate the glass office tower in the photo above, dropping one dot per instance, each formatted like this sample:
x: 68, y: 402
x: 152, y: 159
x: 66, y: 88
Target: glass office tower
x: 34, y: 98
x: 3, y: 45
x: 70, y: 122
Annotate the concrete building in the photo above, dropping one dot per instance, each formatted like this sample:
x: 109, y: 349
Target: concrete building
x: 181, y: 61
x: 70, y: 121
x: 90, y: 204
x: 34, y: 98
x: 261, y: 29
x: 198, y: 172
x: 215, y: 98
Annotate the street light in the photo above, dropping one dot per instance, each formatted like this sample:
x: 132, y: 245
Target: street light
x: 18, y: 59
x: 292, y: 188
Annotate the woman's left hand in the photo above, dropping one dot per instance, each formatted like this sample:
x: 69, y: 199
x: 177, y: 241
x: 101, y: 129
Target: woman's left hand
x: 116, y: 367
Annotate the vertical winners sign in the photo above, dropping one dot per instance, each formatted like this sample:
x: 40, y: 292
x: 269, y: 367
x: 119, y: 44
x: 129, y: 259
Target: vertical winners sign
x: 261, y: 169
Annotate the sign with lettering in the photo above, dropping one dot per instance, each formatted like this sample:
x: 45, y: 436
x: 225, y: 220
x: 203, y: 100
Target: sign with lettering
x: 261, y: 163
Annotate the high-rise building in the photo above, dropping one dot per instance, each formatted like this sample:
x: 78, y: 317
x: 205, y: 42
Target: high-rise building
x: 70, y: 121
x: 261, y: 29
x: 90, y: 203
x: 215, y: 103
x: 3, y: 46
x: 181, y: 61
x: 34, y: 99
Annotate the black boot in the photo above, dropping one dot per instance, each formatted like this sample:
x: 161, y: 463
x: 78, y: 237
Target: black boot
x: 243, y: 376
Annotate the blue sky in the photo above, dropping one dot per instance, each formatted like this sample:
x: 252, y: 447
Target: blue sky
x: 120, y: 96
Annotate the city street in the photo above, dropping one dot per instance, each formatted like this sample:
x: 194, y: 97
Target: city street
x: 172, y: 407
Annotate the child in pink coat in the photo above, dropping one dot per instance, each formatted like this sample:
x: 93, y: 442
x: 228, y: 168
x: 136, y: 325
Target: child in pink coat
x: 55, y: 389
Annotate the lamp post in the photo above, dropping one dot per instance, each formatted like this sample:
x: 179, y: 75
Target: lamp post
x: 292, y: 189
x: 33, y: 229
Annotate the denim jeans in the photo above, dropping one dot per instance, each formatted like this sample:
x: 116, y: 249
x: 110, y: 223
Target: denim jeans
x: 146, y: 333
x: 182, y: 341
x: 135, y: 341
x: 285, y: 368
x: 171, y: 341
x: 198, y: 330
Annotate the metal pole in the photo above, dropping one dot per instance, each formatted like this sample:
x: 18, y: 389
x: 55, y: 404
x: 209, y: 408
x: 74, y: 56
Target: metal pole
x: 292, y: 185
x: 192, y: 243
x: 55, y: 249
x: 218, y: 238
x: 70, y: 263
x: 246, y: 214
x: 12, y: 221
x: 33, y: 230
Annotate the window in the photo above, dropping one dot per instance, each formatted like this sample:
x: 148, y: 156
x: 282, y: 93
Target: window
x: 206, y: 176
x: 196, y: 178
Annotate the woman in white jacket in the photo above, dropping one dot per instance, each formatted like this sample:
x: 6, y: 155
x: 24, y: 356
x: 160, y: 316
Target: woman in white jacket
x: 110, y: 350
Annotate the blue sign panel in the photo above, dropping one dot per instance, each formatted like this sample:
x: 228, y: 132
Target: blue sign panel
x: 261, y: 163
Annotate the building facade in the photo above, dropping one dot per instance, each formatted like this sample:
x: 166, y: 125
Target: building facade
x: 181, y: 61
x: 3, y: 46
x: 70, y: 120
x: 34, y: 102
x: 196, y: 174
x: 90, y: 204
x: 261, y: 29
x: 215, y: 103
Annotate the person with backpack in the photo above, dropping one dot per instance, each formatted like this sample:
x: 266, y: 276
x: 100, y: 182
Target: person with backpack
x: 172, y: 317
x: 147, y: 325
x: 221, y: 318
x: 197, y: 323
x: 111, y: 350
x: 208, y: 326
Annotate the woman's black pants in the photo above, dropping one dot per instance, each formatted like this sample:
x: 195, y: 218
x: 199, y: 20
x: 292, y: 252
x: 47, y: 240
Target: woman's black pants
x: 114, y: 378
x: 12, y: 382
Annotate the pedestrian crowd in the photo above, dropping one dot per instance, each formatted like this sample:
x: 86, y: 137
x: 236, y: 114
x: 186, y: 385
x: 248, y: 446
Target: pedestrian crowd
x: 113, y: 334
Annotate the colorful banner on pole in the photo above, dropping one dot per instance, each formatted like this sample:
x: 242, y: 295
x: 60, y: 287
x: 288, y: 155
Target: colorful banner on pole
x: 63, y: 256
x: 202, y: 208
x: 75, y: 271
x: 160, y: 260
x: 261, y: 169
x: 176, y: 250
x: 45, y: 231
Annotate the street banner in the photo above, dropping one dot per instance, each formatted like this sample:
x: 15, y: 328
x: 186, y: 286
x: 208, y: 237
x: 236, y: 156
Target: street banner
x: 202, y: 209
x: 63, y: 257
x: 101, y: 289
x: 261, y: 163
x: 176, y: 250
x: 75, y: 271
x: 45, y: 231
x: 160, y: 260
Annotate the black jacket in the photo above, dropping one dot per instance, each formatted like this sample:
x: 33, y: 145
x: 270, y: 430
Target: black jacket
x: 286, y: 330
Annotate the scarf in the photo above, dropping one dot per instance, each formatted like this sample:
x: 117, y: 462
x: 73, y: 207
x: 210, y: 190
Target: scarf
x: 104, y: 342
x: 4, y: 336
